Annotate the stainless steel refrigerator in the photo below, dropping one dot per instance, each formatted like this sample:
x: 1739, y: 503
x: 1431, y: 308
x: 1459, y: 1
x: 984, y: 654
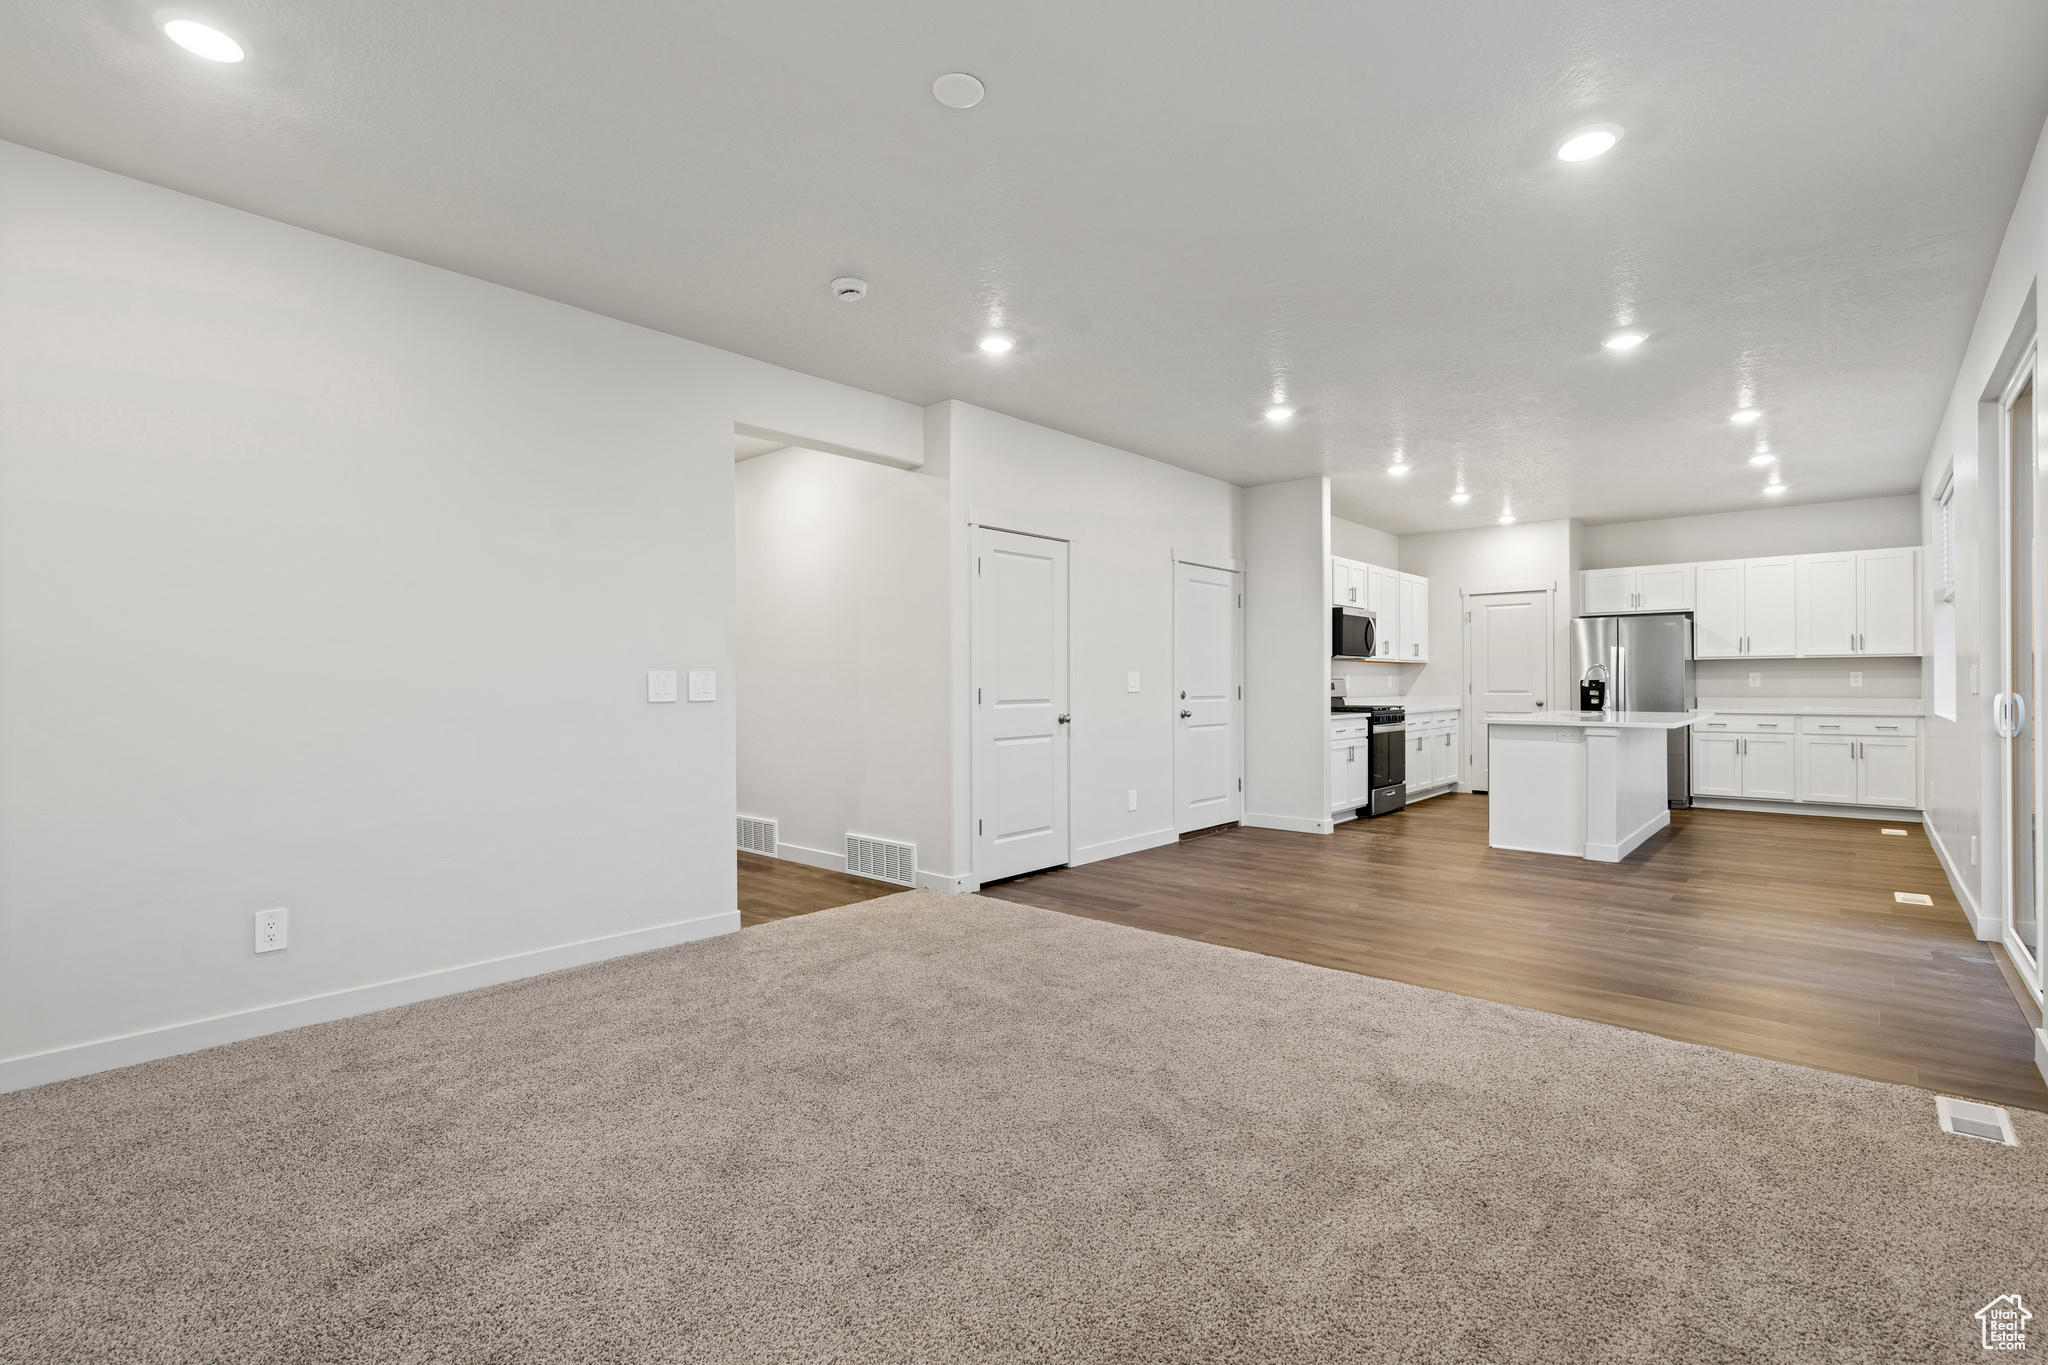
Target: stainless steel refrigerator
x: 1647, y: 664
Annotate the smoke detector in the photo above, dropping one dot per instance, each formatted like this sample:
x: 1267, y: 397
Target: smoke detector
x: 849, y: 290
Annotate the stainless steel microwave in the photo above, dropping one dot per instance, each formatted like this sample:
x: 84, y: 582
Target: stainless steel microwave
x: 1351, y: 633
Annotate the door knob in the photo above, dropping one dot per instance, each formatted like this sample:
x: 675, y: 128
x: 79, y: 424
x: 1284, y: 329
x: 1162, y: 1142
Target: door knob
x: 1185, y: 714
x: 1065, y: 719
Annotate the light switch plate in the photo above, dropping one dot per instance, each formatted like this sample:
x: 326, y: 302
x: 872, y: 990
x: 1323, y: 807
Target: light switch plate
x: 1132, y: 685
x: 703, y: 686
x: 661, y: 686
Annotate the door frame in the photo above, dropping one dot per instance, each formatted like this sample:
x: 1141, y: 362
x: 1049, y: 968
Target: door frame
x: 2026, y: 371
x: 1471, y: 723
x: 1224, y: 564
x: 973, y: 598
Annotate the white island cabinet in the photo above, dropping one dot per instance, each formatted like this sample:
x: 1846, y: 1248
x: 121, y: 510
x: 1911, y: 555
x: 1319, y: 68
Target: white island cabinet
x: 1584, y: 784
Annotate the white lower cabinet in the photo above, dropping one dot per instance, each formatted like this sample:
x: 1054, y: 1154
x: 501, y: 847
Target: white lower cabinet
x: 1831, y: 760
x: 1768, y: 768
x: 1757, y: 767
x: 1433, y: 760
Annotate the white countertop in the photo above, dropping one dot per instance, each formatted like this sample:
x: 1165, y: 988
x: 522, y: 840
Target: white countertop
x: 1606, y: 720
x: 1814, y: 706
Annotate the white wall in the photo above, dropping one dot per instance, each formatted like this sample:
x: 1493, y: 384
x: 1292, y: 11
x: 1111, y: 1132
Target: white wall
x: 1349, y: 540
x: 1963, y: 755
x: 1817, y: 528
x: 843, y: 665
x: 329, y: 581
x: 1126, y: 517
x: 1531, y: 552
x: 1287, y: 654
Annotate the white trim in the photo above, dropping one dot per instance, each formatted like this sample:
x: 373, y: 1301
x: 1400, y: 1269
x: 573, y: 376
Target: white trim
x: 1117, y: 848
x: 41, y: 1068
x: 1985, y: 930
x: 945, y: 882
x: 1209, y: 561
x: 1484, y: 589
x: 1293, y: 823
x: 811, y: 857
x: 1898, y: 814
x: 1630, y: 842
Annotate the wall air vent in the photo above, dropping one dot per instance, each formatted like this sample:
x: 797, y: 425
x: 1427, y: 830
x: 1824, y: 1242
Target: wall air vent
x: 757, y: 836
x: 882, y: 860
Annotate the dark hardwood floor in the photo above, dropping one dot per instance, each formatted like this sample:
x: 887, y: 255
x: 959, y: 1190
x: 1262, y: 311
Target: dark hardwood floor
x: 1772, y: 935
x: 774, y: 888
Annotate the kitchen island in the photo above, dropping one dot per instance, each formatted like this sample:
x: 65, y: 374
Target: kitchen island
x: 1584, y: 784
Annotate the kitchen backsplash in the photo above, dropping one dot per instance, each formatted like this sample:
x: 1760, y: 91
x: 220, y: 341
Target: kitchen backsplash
x: 1808, y: 677
x: 1376, y: 680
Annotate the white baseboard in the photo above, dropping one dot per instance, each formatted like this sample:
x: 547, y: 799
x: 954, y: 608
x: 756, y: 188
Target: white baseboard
x: 61, y: 1064
x: 1986, y: 929
x: 836, y: 862
x: 1117, y: 848
x: 1894, y: 814
x: 1295, y: 823
x: 1630, y: 842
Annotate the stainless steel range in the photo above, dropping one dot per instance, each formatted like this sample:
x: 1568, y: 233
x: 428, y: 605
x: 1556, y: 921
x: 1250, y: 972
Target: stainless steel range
x: 1387, y: 747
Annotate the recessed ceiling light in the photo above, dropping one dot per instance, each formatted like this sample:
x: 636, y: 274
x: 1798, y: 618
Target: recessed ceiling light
x: 1588, y: 143
x: 996, y: 345
x: 1774, y: 488
x: 197, y: 36
x: 1624, y: 341
x: 1461, y: 496
x: 1278, y: 414
x: 1762, y: 457
x: 1397, y: 468
x: 958, y: 90
x: 1508, y: 520
x: 1744, y: 416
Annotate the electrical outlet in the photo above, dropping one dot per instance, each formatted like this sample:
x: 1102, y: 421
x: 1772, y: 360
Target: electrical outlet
x: 1855, y: 680
x: 1756, y: 680
x: 1134, y: 795
x: 1132, y: 684
x: 269, y: 931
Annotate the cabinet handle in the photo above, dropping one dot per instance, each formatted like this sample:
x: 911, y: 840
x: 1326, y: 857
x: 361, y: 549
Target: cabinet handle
x: 1351, y: 755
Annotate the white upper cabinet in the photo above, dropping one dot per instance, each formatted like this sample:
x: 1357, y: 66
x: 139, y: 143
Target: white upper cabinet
x: 1347, y: 583
x: 1717, y: 610
x: 1858, y: 602
x: 1603, y: 592
x: 1383, y: 597
x: 1664, y: 587
x: 1398, y: 601
x: 1414, y: 637
x: 1888, y: 601
x: 1743, y: 607
x: 1658, y: 587
x: 1787, y: 606
x: 1768, y: 592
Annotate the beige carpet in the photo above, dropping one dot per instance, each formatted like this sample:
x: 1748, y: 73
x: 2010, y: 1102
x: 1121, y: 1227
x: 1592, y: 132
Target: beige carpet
x: 950, y: 1129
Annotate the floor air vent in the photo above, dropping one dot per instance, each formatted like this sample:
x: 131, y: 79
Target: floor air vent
x: 757, y: 836
x: 881, y: 860
x: 1966, y: 1119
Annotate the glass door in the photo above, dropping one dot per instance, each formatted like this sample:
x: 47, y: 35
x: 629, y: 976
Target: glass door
x: 2018, y: 709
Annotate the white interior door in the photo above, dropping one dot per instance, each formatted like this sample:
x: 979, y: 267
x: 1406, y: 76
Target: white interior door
x: 1207, y: 633
x: 1507, y: 666
x: 1021, y: 723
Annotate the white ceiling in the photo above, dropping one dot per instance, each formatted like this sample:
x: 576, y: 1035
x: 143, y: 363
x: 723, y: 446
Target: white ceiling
x: 1176, y: 208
